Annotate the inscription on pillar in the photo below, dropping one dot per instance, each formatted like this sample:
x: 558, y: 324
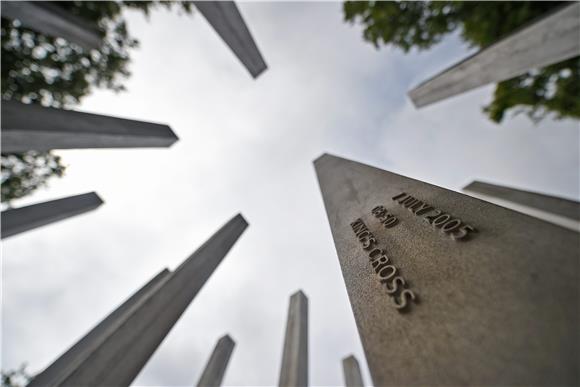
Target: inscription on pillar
x: 452, y: 226
x: 387, y: 272
x: 387, y: 219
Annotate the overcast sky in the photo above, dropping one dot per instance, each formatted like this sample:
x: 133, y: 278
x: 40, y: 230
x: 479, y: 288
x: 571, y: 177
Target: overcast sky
x: 247, y: 146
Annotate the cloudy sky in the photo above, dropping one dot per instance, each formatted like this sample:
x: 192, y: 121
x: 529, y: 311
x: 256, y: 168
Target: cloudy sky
x: 247, y: 146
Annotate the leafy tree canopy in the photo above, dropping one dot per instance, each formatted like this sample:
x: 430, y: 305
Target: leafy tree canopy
x: 54, y: 72
x: 16, y: 378
x: 421, y: 25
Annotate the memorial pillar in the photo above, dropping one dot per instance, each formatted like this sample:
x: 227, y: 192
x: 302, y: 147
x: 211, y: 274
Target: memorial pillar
x: 215, y: 368
x: 294, y: 370
x: 447, y: 289
x: 543, y: 42
x: 95, y: 337
x: 121, y: 355
x: 18, y: 220
x: 226, y: 20
x: 560, y: 211
x: 52, y: 20
x: 352, y: 374
x: 28, y: 127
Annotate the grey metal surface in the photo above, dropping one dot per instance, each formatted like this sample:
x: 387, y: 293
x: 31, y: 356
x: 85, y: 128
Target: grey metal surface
x: 124, y: 352
x: 18, y: 220
x: 33, y: 127
x: 553, y: 204
x: 52, y: 20
x: 547, y: 41
x: 351, y: 369
x: 95, y: 337
x: 226, y: 20
x: 294, y: 369
x: 217, y: 364
x: 496, y: 306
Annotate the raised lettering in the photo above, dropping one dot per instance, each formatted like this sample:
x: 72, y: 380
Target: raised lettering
x: 369, y: 243
x: 382, y: 261
x: 390, y: 269
x: 439, y: 221
x: 463, y: 232
x: 423, y: 209
x: 376, y: 253
x: 430, y: 218
x: 399, y: 196
x: 397, y: 280
x: 390, y: 222
x: 363, y: 234
x: 414, y: 206
x: 451, y: 225
x: 404, y: 299
x: 410, y: 203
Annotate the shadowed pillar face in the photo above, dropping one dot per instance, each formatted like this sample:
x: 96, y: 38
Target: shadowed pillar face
x: 33, y: 127
x: 121, y: 355
x: 215, y: 368
x: 18, y: 220
x: 294, y: 370
x: 438, y: 280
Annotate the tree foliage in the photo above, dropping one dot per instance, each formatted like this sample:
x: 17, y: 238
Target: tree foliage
x: 407, y: 24
x: 54, y: 72
x: 22, y: 173
x: 16, y: 378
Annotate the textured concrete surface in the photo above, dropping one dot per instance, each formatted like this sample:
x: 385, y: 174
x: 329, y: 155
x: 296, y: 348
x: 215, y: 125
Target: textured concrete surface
x: 351, y: 369
x: 95, y: 337
x: 226, y: 20
x: 121, y: 355
x: 18, y: 220
x: 543, y: 42
x: 215, y: 368
x: 52, y: 20
x: 294, y: 369
x: 33, y: 127
x: 497, y: 308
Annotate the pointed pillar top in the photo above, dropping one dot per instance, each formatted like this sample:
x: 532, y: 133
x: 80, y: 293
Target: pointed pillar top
x: 227, y: 338
x: 349, y: 357
x: 299, y: 294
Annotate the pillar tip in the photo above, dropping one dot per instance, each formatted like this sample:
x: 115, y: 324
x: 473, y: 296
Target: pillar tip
x: 321, y: 157
x: 300, y: 293
x: 99, y: 199
x: 349, y: 357
x: 227, y: 337
x: 241, y: 217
